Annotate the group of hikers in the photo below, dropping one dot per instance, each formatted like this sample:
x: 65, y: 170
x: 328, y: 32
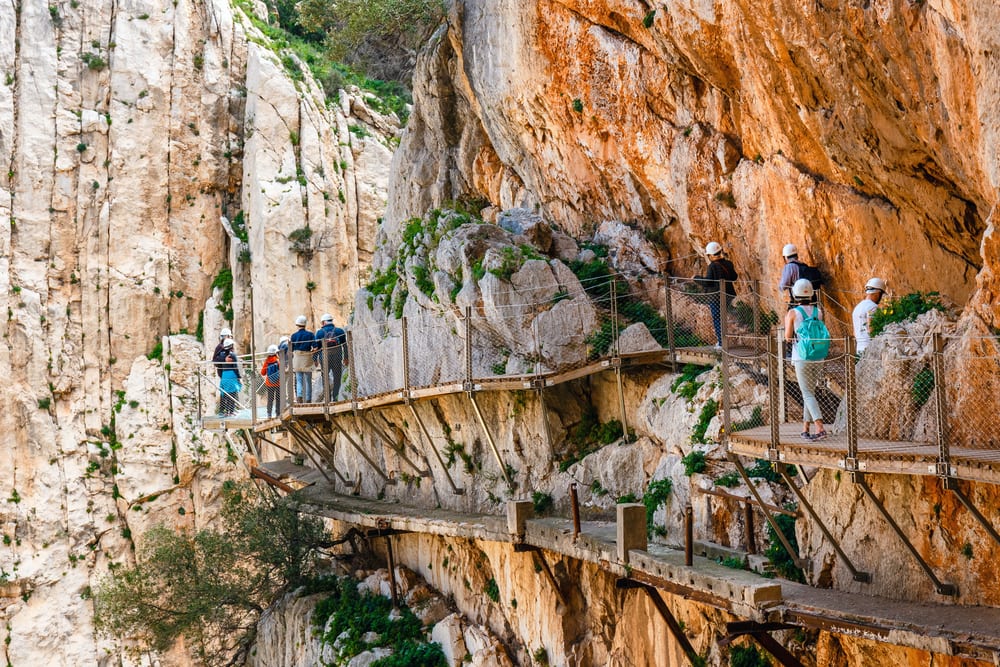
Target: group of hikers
x: 804, y: 329
x: 326, y: 348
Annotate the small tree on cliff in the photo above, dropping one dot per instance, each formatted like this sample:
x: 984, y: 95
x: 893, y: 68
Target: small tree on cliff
x: 210, y: 587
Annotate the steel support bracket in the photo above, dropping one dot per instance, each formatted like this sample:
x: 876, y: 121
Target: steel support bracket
x: 773, y: 454
x: 851, y: 464
x: 537, y: 384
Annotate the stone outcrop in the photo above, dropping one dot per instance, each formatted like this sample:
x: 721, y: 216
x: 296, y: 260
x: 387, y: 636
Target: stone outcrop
x: 142, y: 145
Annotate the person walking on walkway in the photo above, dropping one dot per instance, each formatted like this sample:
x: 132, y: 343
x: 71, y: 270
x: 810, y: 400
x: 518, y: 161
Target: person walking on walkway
x: 789, y: 274
x: 800, y: 329
x: 333, y: 343
x: 874, y: 289
x: 219, y: 353
x: 271, y: 371
x: 229, y: 380
x: 303, y: 344
x: 719, y: 269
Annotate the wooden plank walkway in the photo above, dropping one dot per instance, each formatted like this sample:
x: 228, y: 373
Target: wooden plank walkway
x: 968, y: 632
x: 874, y: 456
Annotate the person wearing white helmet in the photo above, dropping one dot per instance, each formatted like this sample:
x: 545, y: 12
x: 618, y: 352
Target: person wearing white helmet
x: 271, y: 371
x: 874, y: 289
x: 229, y: 379
x: 808, y: 372
x: 790, y: 273
x: 333, y: 342
x: 303, y: 343
x: 217, y: 355
x: 720, y: 271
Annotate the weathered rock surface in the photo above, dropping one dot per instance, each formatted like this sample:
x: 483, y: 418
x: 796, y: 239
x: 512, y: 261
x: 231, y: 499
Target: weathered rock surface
x: 139, y: 144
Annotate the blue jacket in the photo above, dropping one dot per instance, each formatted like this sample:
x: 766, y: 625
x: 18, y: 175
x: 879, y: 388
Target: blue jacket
x: 334, y: 336
x: 303, y: 340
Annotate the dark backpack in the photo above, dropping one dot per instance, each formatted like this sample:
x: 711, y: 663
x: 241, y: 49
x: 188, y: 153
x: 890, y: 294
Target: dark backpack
x: 220, y: 356
x: 810, y: 273
x: 273, y: 372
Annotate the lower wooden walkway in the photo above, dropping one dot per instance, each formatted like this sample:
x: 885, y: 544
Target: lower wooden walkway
x: 968, y: 632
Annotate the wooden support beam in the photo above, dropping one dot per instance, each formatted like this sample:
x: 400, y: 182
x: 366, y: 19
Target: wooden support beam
x: 362, y: 452
x: 307, y: 448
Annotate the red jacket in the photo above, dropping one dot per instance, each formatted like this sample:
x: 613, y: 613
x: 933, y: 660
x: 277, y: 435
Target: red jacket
x: 271, y: 359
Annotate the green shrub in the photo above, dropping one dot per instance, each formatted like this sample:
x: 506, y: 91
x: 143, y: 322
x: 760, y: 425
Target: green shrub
x: 542, y: 502
x: 694, y: 463
x: 923, y: 387
x: 685, y: 385
x: 647, y: 20
x: 729, y: 480
x: 755, y: 419
x: 747, y: 656
x: 656, y: 494
x: 762, y: 469
x: 156, y: 354
x: 904, y: 309
x: 492, y: 590
x: 783, y: 562
x: 704, y: 419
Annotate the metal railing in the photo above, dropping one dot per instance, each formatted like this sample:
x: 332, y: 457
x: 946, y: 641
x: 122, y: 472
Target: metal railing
x: 516, y: 337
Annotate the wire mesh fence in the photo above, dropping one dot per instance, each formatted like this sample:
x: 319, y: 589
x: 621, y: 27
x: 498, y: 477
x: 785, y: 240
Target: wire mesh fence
x: 944, y: 395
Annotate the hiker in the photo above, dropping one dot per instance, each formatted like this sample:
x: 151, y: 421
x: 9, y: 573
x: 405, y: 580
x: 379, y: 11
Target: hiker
x: 804, y: 325
x: 229, y: 380
x: 303, y: 344
x: 333, y: 342
x: 218, y: 354
x: 272, y: 380
x: 719, y: 268
x: 794, y: 270
x: 874, y: 289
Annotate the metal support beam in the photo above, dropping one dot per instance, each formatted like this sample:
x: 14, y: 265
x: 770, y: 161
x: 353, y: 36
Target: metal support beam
x: 305, y: 435
x: 940, y: 389
x: 400, y: 451
x: 540, y: 558
x: 616, y: 358
x: 850, y: 359
x: 775, y: 390
x: 361, y: 451
x: 257, y: 473
x: 939, y: 586
x: 430, y: 443
x: 858, y: 575
x: 306, y: 448
x: 276, y: 445
x: 952, y: 485
x: 489, y: 439
x: 780, y: 653
x: 667, y: 616
x: 799, y: 562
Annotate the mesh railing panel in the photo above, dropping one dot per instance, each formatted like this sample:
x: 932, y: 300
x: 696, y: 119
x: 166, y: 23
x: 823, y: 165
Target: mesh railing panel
x: 895, y: 399
x: 749, y: 388
x: 971, y: 369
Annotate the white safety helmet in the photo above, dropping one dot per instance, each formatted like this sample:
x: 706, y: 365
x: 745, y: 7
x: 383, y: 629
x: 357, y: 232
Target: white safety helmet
x: 283, y: 339
x: 327, y: 317
x: 272, y: 349
x: 713, y: 248
x: 789, y: 250
x: 803, y: 289
x: 225, y: 333
x: 227, y: 344
x: 874, y: 285
x: 300, y: 321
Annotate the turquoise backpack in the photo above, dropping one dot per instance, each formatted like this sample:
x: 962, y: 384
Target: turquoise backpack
x: 813, y: 336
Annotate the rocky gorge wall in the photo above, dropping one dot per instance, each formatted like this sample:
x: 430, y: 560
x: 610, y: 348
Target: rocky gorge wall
x: 149, y: 148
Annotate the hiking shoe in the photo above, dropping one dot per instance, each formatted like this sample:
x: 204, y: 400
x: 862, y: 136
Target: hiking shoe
x: 820, y: 435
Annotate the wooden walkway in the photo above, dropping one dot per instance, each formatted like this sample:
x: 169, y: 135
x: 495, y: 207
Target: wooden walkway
x: 874, y: 456
x: 968, y: 632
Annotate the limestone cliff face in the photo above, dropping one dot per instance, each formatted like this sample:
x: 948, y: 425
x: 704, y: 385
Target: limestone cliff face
x: 140, y: 141
x: 868, y: 134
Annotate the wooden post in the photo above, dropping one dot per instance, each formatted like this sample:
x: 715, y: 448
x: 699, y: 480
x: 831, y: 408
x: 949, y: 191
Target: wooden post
x: 574, y: 501
x: 850, y: 375
x: 775, y: 389
x: 688, y: 535
x: 944, y: 454
x: 351, y: 373
x: 748, y: 523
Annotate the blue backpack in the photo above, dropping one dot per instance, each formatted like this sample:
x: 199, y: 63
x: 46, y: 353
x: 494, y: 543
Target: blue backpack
x: 813, y: 336
x: 273, y: 372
